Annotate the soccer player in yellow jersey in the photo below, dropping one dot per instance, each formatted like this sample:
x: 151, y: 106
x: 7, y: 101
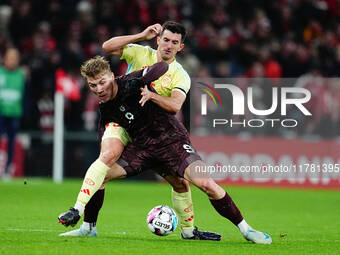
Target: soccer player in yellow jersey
x: 171, y: 89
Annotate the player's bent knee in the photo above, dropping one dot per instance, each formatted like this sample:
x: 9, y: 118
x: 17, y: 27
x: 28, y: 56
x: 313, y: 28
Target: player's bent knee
x: 178, y: 184
x: 179, y: 188
x: 109, y: 157
x: 186, y: 184
x: 182, y: 186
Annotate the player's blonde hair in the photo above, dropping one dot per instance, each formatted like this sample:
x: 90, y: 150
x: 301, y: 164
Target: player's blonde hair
x: 95, y: 67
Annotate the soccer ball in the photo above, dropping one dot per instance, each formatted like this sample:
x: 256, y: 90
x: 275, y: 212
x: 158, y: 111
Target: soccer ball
x: 162, y: 220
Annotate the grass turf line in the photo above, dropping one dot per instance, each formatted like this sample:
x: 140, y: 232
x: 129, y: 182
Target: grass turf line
x: 299, y: 221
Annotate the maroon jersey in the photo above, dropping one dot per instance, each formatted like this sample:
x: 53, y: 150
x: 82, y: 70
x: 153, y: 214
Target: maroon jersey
x: 145, y: 122
x: 159, y: 140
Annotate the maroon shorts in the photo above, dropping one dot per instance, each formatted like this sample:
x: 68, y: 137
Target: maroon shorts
x: 164, y: 157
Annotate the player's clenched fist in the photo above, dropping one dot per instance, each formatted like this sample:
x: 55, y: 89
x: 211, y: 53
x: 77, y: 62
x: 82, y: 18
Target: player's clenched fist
x: 152, y: 31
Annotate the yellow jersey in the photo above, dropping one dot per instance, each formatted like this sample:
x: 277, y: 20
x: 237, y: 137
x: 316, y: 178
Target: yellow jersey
x: 139, y: 57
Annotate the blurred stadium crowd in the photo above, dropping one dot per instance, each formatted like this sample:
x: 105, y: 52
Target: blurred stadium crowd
x: 226, y: 38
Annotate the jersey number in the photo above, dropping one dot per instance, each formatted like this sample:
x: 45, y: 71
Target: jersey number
x: 188, y: 148
x: 128, y: 115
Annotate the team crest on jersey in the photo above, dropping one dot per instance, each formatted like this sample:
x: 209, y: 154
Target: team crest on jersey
x: 166, y: 81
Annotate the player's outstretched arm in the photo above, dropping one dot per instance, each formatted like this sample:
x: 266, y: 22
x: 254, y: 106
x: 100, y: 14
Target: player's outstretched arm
x: 115, y: 44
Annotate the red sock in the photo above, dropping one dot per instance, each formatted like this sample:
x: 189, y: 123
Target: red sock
x: 227, y: 208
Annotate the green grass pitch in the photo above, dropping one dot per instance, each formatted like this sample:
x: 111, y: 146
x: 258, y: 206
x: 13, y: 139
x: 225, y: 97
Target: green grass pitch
x: 300, y: 221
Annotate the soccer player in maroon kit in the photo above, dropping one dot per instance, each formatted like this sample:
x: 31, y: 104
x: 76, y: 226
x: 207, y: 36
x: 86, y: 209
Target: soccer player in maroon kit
x: 159, y: 141
x: 170, y: 93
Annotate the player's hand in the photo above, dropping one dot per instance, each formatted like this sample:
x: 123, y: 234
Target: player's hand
x: 152, y: 31
x: 146, y: 95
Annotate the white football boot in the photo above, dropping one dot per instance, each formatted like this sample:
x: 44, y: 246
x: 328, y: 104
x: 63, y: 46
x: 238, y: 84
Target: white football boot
x: 257, y: 237
x: 81, y: 232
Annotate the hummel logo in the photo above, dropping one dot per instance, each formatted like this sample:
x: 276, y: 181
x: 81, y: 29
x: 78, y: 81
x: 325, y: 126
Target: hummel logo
x: 86, y: 191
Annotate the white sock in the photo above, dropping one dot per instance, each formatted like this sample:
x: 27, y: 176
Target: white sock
x: 89, y: 226
x: 187, y: 233
x: 80, y: 207
x: 86, y: 226
x: 243, y: 227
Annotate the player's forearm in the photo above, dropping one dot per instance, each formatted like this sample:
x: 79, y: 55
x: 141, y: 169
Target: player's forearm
x: 167, y: 103
x: 115, y: 44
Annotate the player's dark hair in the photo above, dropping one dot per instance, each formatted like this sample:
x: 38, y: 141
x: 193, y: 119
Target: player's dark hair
x: 174, y: 27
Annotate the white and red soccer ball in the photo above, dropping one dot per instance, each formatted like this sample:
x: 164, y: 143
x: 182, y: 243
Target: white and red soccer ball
x: 162, y: 220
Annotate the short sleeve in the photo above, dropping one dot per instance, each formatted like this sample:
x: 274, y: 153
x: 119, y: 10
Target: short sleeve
x: 133, y: 51
x: 182, y: 82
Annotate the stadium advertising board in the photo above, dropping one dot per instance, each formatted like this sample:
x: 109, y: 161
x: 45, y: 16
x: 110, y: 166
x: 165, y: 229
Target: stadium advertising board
x: 266, y: 131
x: 271, y: 161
